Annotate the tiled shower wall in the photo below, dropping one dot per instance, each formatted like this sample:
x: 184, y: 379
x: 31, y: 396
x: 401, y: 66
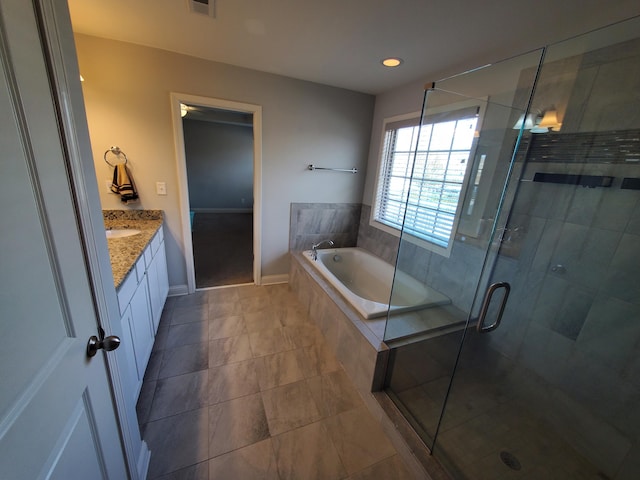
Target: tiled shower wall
x: 574, y: 314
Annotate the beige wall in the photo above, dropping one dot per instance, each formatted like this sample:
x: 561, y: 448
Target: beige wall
x: 126, y: 92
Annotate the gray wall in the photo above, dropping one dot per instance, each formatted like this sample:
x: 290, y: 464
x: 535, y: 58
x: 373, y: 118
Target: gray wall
x: 219, y: 165
x: 126, y: 92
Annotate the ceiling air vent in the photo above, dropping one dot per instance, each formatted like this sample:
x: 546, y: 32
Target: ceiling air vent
x: 204, y: 7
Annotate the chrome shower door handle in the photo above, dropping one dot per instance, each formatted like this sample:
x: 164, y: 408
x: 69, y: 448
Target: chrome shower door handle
x: 485, y: 307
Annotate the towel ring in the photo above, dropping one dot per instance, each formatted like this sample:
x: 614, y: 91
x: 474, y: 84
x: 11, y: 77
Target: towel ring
x: 116, y: 151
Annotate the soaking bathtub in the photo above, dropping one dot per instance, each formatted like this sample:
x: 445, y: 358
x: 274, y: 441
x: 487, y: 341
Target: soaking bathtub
x: 365, y: 280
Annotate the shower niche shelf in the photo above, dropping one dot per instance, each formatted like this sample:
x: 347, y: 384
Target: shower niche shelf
x: 629, y: 183
x: 590, y: 181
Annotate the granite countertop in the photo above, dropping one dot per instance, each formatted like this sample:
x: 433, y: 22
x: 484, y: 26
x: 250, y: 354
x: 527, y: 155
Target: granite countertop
x: 125, y: 251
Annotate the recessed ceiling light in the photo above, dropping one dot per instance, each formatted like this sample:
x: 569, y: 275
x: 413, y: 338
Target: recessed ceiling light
x: 392, y: 62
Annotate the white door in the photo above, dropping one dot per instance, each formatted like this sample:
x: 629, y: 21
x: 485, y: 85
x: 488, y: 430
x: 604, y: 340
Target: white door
x: 57, y: 416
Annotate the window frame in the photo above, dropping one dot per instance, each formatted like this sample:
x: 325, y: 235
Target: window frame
x: 408, y: 120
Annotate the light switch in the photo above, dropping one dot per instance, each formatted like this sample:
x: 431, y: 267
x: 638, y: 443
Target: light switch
x: 161, y: 188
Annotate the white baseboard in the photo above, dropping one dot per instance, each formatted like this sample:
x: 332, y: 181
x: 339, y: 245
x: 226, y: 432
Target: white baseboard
x: 222, y: 210
x: 175, y: 290
x: 275, y: 279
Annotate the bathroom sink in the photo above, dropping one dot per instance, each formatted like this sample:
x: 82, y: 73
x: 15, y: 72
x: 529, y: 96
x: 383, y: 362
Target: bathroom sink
x: 121, y: 232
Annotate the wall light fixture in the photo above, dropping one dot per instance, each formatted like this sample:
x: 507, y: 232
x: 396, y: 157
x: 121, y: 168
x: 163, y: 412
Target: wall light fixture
x: 539, y: 122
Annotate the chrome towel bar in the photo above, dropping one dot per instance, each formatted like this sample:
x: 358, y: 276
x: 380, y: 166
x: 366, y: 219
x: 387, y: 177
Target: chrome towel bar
x: 349, y: 170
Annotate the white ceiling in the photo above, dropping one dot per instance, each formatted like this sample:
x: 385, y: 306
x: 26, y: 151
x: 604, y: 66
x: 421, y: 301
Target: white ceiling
x: 341, y: 42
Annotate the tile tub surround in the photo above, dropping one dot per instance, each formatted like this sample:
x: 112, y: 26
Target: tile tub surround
x: 313, y: 222
x: 356, y: 346
x: 378, y: 242
x: 124, y: 252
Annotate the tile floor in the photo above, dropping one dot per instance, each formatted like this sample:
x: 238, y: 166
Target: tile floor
x: 241, y: 385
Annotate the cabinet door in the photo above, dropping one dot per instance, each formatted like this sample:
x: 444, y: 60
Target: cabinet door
x: 163, y: 276
x: 141, y: 327
x: 126, y: 355
x: 154, y: 293
x: 158, y: 285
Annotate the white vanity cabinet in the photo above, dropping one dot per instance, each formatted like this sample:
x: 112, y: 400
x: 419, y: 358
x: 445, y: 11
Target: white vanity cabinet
x: 141, y: 297
x: 157, y: 278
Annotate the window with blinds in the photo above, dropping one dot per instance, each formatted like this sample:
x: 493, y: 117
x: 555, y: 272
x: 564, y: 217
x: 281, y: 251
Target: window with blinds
x: 423, y: 172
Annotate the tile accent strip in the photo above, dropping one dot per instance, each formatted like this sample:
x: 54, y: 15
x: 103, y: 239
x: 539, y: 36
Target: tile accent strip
x: 617, y: 146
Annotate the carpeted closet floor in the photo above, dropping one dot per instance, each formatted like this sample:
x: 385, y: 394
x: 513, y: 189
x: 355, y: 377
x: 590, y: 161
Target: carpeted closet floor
x: 222, y: 248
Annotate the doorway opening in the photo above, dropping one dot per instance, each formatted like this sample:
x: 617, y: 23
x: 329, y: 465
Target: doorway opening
x: 222, y: 248
x: 218, y: 151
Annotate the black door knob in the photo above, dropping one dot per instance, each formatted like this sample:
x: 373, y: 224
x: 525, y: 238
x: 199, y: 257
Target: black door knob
x: 108, y: 343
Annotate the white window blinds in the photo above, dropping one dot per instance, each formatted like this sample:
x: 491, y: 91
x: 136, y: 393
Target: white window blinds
x: 422, y: 174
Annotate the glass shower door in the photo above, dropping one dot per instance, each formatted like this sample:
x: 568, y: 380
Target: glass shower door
x: 450, y: 192
x: 553, y: 390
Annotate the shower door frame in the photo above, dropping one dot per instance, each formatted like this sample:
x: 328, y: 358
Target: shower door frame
x: 491, y: 246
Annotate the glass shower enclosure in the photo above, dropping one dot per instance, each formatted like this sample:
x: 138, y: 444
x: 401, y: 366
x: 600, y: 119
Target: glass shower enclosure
x: 531, y: 365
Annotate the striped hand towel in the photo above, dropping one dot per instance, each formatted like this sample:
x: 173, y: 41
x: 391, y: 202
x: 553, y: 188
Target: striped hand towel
x: 123, y: 185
